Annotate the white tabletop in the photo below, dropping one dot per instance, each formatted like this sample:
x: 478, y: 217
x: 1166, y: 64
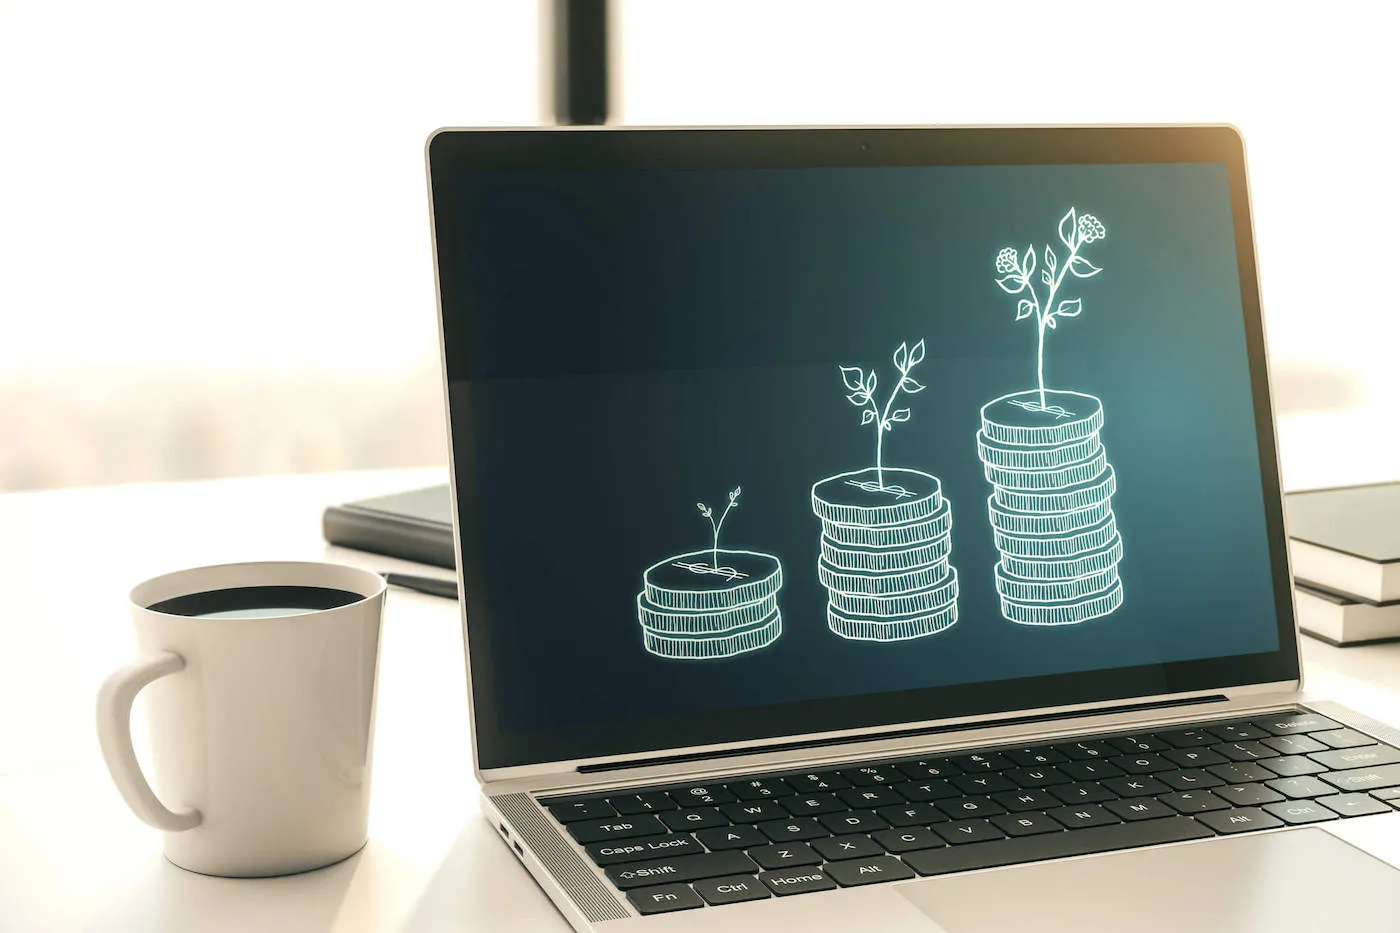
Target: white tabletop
x: 72, y: 857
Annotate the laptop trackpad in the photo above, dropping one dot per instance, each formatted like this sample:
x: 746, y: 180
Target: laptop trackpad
x: 1299, y: 881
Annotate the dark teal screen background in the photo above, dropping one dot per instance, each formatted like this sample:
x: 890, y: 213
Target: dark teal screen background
x: 640, y: 341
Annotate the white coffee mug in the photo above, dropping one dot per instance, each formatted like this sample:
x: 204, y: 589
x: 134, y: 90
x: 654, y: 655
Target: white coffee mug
x: 261, y: 728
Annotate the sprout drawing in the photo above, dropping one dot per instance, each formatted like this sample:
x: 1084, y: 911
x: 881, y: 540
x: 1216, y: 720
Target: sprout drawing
x: 1076, y: 231
x: 715, y: 526
x: 863, y: 385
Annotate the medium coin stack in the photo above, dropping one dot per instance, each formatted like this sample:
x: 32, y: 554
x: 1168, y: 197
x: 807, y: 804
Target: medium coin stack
x: 885, y: 549
x: 1051, y: 507
x: 710, y: 604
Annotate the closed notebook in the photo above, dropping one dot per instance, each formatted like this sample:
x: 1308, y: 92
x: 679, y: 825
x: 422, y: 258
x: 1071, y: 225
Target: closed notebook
x: 1342, y: 620
x: 1347, y: 539
x: 414, y: 525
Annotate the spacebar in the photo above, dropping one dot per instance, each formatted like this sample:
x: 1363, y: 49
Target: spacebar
x: 975, y: 855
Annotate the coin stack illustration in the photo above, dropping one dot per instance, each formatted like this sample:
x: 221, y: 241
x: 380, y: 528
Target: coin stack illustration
x: 715, y: 603
x: 886, y: 531
x: 1051, y: 506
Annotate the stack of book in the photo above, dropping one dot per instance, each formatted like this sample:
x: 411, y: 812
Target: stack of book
x: 1345, y: 549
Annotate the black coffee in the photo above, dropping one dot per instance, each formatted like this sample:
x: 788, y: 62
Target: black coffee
x: 256, y: 602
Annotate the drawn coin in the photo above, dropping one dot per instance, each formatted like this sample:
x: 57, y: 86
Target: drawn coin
x: 704, y: 580
x: 858, y: 498
x: 1064, y: 544
x: 890, y: 536
x: 1061, y: 568
x: 886, y: 583
x: 1093, y: 492
x: 891, y: 628
x: 1054, y: 478
x: 703, y: 621
x: 1064, y: 613
x: 1012, y: 521
x: 928, y: 600
x: 695, y: 648
x: 881, y: 560
x: 1026, y: 590
x: 1022, y: 457
x: 1017, y: 419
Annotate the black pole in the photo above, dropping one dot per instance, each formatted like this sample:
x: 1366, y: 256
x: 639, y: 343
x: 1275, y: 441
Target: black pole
x: 581, y: 62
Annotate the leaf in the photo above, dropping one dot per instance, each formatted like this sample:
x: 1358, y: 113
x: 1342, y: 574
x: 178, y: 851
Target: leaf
x: 868, y: 417
x: 887, y: 426
x: 705, y: 510
x: 1050, y: 322
x: 901, y: 357
x: 734, y: 496
x: 1024, y: 309
x: 1028, y: 261
x: 853, y: 376
x: 870, y: 383
x: 1011, y: 284
x: 916, y: 355
x: 1083, y: 267
x: 1067, y: 225
x: 1070, y: 307
x: 1046, y: 277
x: 911, y: 385
x: 858, y: 398
x: 900, y: 415
x: 1050, y: 261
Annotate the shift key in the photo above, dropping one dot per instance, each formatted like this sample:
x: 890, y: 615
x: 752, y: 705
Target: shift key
x: 1364, y: 778
x: 617, y: 827
x: 681, y: 868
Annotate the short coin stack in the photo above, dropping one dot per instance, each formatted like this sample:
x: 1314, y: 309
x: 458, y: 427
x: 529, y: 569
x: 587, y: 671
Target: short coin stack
x: 1051, y: 507
x: 710, y: 604
x: 885, y: 549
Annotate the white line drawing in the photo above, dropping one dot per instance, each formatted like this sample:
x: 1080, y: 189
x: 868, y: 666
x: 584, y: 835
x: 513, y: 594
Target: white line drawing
x: 886, y: 531
x: 1051, y: 506
x: 711, y: 604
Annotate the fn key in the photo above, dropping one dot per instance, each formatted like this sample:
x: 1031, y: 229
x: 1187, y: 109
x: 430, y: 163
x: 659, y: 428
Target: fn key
x: 664, y: 898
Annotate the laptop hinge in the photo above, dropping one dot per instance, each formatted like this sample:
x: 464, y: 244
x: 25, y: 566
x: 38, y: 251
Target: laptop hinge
x: 900, y: 734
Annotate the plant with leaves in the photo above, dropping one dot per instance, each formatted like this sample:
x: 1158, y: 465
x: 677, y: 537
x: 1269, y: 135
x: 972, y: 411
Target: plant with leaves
x: 1016, y: 271
x: 715, y: 526
x: 863, y: 386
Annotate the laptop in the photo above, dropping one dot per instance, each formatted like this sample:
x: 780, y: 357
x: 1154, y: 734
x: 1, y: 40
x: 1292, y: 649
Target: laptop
x: 881, y: 529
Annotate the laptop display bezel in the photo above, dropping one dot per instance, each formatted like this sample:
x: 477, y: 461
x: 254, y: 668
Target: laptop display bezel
x: 454, y: 154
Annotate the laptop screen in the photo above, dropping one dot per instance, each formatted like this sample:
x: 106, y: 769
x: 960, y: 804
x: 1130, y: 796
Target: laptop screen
x: 757, y: 451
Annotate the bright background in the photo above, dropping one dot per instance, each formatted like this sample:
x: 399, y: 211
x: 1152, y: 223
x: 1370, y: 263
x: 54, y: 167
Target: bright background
x: 214, y: 251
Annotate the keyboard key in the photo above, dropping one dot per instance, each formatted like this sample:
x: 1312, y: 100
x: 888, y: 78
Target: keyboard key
x: 920, y: 791
x: 1238, y: 732
x: 1082, y: 793
x: 1248, y: 795
x: 621, y: 827
x: 873, y: 774
x: 1343, y: 738
x: 1293, y: 766
x: 1086, y: 751
x: 642, y: 848
x: 1055, y: 845
x: 1364, y: 778
x: 813, y: 804
x: 1187, y: 738
x: 794, y: 830
x: 687, y: 820
x: 837, y: 848
x: 983, y: 783
x: 1194, y: 757
x: 1243, y: 772
x: 1026, y: 824
x: 1293, y: 744
x: 1239, y: 820
x: 719, y: 838
x: 853, y: 821
x: 733, y: 889
x: 972, y: 764
x: 1389, y: 794
x: 1136, y: 786
x: 1143, y: 764
x: 1032, y: 757
x: 582, y: 810
x: 785, y: 855
x: 1190, y: 780
x: 1037, y: 777
x: 1244, y: 751
x: 1361, y: 757
x: 1081, y: 817
x: 680, y: 868
x: 665, y: 898
x: 869, y: 871
x: 1289, y: 723
x: 928, y: 768
x: 697, y: 795
x: 1353, y: 804
x: 868, y: 798
x: 912, y: 814
x: 1091, y: 770
x: 1143, y: 808
x: 968, y: 831
x: 1137, y: 744
x: 968, y: 807
x: 755, y: 811
x: 1300, y: 787
x: 1027, y: 800
x: 631, y: 804
x: 911, y: 839
x: 1193, y: 801
x: 759, y: 789
x: 797, y: 881
x: 1300, y: 811
x: 817, y: 782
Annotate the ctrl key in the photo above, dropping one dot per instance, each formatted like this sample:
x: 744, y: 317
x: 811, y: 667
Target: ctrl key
x: 797, y: 881
x: 731, y: 890
x: 664, y: 898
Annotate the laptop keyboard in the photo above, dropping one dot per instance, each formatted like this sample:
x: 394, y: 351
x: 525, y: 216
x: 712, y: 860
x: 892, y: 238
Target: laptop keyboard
x: 678, y: 847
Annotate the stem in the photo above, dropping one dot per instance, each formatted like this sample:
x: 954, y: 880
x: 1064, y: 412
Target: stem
x: 880, y: 429
x: 1043, y: 314
x: 714, y: 554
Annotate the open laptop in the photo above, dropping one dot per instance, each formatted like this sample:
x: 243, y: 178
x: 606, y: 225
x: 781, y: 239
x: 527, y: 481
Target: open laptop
x: 881, y: 529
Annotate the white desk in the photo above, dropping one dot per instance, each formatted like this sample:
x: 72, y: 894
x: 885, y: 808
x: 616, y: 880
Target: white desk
x: 72, y: 857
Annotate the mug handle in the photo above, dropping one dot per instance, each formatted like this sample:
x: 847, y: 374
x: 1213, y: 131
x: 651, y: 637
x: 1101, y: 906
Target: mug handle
x: 114, y: 735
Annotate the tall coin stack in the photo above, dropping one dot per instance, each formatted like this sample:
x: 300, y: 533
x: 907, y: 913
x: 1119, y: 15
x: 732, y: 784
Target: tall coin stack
x: 1051, y: 507
x: 885, y: 548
